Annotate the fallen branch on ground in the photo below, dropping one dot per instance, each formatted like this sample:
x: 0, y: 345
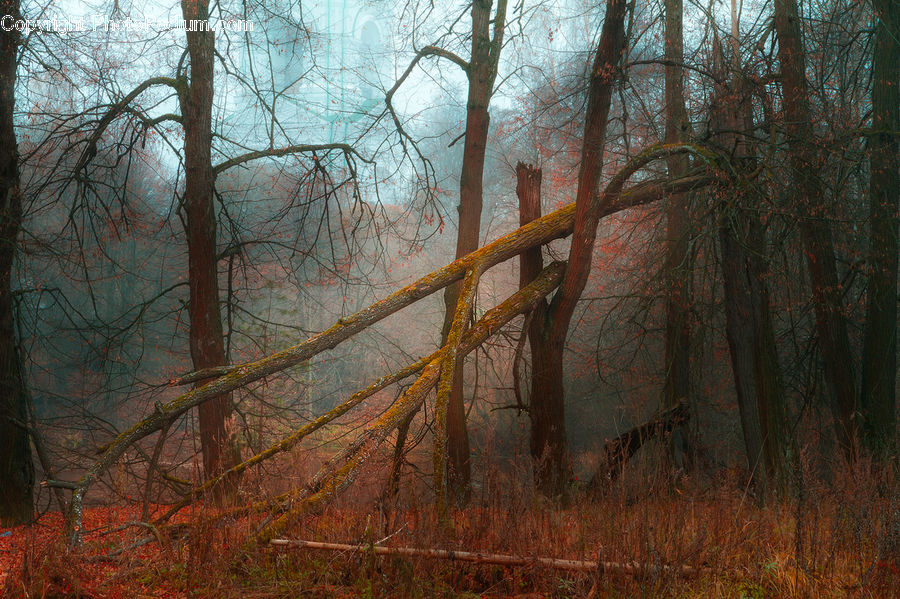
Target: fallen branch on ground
x: 625, y: 568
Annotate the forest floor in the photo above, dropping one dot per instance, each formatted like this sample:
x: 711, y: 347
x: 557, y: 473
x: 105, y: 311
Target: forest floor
x: 834, y: 543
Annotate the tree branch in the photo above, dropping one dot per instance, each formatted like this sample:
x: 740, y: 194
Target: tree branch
x: 285, y: 151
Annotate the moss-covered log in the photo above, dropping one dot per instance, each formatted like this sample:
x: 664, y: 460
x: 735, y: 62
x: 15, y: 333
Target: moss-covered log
x: 329, y: 484
x: 299, y: 434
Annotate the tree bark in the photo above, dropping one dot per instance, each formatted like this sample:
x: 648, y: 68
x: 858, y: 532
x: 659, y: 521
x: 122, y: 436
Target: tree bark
x: 745, y: 272
x: 815, y: 230
x: 206, y: 340
x: 677, y: 383
x: 546, y: 406
x: 878, y: 396
x: 481, y: 73
x: 16, y: 467
x: 588, y: 208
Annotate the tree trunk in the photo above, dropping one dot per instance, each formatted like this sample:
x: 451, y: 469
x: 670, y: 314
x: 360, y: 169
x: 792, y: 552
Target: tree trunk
x: 748, y: 319
x: 751, y: 343
x: 16, y: 468
x: 546, y: 407
x: 677, y: 383
x: 589, y: 207
x: 481, y: 73
x: 879, y: 372
x: 815, y: 231
x: 206, y: 340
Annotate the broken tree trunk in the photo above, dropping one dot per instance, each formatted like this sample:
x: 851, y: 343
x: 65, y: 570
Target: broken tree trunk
x: 618, y: 451
x: 546, y: 409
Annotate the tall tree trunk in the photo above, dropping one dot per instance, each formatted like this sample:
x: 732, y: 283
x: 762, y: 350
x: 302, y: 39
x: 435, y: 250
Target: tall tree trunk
x: 546, y: 407
x: 481, y: 73
x: 751, y: 343
x: 748, y: 320
x: 16, y: 468
x: 588, y: 209
x: 815, y: 231
x: 879, y: 371
x: 206, y: 340
x: 677, y: 384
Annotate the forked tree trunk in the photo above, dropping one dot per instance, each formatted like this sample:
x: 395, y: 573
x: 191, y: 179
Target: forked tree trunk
x: 16, y: 468
x: 206, y: 340
x: 546, y: 407
x: 815, y: 230
x: 677, y: 385
x: 879, y: 372
x: 588, y: 209
x: 481, y: 73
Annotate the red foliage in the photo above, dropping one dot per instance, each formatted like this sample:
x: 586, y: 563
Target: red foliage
x: 35, y: 561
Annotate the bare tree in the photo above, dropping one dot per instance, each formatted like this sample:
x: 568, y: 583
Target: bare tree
x: 16, y: 468
x: 548, y: 442
x: 748, y: 320
x: 481, y: 73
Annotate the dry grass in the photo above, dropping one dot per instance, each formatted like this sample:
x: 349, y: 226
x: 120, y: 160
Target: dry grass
x: 840, y: 540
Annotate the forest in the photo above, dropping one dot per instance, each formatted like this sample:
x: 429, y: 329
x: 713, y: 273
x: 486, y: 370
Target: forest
x: 362, y: 298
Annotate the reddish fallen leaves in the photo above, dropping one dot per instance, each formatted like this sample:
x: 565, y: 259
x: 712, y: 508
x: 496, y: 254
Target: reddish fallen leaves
x: 35, y: 562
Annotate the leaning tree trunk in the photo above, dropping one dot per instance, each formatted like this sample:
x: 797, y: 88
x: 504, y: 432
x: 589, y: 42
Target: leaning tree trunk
x: 879, y: 371
x: 553, y: 470
x: 678, y: 269
x: 16, y: 468
x: 546, y: 406
x: 206, y: 340
x: 815, y: 231
x: 481, y: 72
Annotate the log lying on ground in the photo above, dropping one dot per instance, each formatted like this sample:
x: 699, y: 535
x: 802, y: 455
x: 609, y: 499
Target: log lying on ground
x: 552, y: 226
x: 629, y: 568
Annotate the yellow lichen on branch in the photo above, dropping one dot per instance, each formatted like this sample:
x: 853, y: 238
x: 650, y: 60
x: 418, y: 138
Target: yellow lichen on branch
x: 291, y: 440
x: 448, y: 367
x: 328, y: 483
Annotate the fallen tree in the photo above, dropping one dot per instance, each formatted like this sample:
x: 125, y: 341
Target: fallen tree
x: 335, y: 478
x: 493, y: 559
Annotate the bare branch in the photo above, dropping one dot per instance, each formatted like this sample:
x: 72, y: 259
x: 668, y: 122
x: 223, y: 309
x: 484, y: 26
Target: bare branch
x: 285, y: 151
